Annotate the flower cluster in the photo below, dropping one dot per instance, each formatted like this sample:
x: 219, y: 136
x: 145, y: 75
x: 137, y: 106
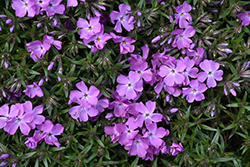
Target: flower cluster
x: 21, y: 115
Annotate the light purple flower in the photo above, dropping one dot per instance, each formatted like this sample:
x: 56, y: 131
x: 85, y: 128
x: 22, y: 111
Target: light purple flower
x: 183, y: 17
x: 172, y: 73
x: 50, y: 137
x: 211, y: 73
x: 175, y: 148
x: 33, y: 90
x: 123, y: 18
x: 22, y: 7
x: 197, y: 56
x: 4, y: 156
x: 182, y: 37
x: 37, y: 49
x: 54, y: 7
x: 99, y: 39
x: 189, y: 71
x: 136, y: 58
x: 43, y: 130
x: 195, y: 92
x: 115, y: 131
x: 89, y: 29
x: 245, y: 17
x: 31, y: 142
x: 125, y: 43
x: 129, y: 86
x: 141, y: 69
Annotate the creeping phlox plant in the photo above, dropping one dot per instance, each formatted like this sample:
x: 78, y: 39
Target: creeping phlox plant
x: 178, y: 63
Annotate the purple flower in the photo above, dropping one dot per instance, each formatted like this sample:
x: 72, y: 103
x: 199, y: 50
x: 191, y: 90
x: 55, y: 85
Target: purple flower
x: 125, y: 43
x: 146, y: 113
x: 120, y: 105
x: 195, y: 92
x: 245, y: 17
x: 50, y: 40
x: 50, y: 137
x: 37, y: 49
x: 89, y: 96
x: 89, y: 29
x: 197, y: 56
x: 138, y: 146
x: 22, y: 7
x: 128, y: 132
x: 183, y: 16
x: 3, y: 163
x: 129, y: 86
x: 189, y: 70
x: 43, y: 130
x: 83, y: 111
x: 211, y: 73
x: 115, y: 131
x: 172, y: 74
x: 33, y: 90
x: 99, y: 39
x: 54, y: 7
x: 4, y: 156
x: 31, y: 142
x: 135, y: 58
x: 175, y: 148
x: 123, y: 18
x: 73, y: 3
x: 182, y: 37
x: 142, y: 70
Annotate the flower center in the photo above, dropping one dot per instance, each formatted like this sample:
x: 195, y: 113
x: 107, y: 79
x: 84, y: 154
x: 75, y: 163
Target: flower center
x: 248, y: 14
x: 147, y: 115
x: 40, y: 1
x: 197, y: 56
x: 34, y: 86
x: 85, y: 95
x: 153, y: 71
x: 41, y: 132
x: 120, y: 104
x: 26, y: 4
x: 185, y: 70
x: 173, y: 71
x: 19, y: 119
x: 182, y: 14
x: 124, y: 42
x: 209, y: 73
x: 7, y: 118
x: 50, y: 5
x: 139, y: 72
x: 41, y: 47
x: 129, y: 131
x: 150, y: 134
x: 49, y: 134
x: 98, y: 39
x: 181, y: 36
x: 121, y: 18
x: 129, y: 85
x: 137, y: 141
x: 194, y: 90
x: 90, y: 28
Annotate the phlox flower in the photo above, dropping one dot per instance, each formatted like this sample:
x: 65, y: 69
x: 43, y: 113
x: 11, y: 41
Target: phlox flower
x: 182, y: 37
x: 146, y: 113
x: 189, y: 71
x: 122, y: 18
x: 183, y: 17
x: 211, y: 73
x: 141, y: 69
x: 138, y: 146
x: 125, y: 43
x: 43, y: 130
x: 37, y: 49
x: 244, y: 17
x: 115, y: 131
x: 99, y: 39
x: 129, y: 86
x: 31, y: 142
x: 175, y: 148
x: 154, y: 134
x: 73, y: 3
x: 54, y: 7
x: 197, y: 56
x: 89, y: 95
x: 136, y: 58
x: 22, y: 7
x: 120, y: 105
x: 172, y: 74
x: 88, y: 29
x: 7, y: 117
x: 195, y: 92
x: 83, y: 111
x: 33, y: 90
x: 50, y: 137
x: 40, y: 4
x: 172, y: 90
x: 50, y: 40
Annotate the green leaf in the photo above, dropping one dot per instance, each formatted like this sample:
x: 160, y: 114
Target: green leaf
x: 100, y: 143
x: 57, y: 149
x: 208, y: 128
x: 228, y: 10
x: 28, y: 155
x: 155, y: 162
x: 230, y: 126
x: 223, y: 159
x: 135, y: 162
x: 233, y: 105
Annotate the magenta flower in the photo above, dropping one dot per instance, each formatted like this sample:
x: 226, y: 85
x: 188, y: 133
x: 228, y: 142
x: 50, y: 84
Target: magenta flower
x: 154, y: 134
x: 37, y: 49
x: 195, y: 92
x: 183, y: 16
x: 4, y: 156
x: 73, y: 3
x: 172, y: 74
x: 146, y: 113
x: 128, y: 132
x: 4, y: 111
x: 89, y: 96
x: 43, y: 130
x: 120, y: 105
x: 138, y: 146
x: 182, y: 37
x: 54, y: 7
x: 123, y: 18
x: 115, y: 131
x: 50, y: 40
x: 89, y: 29
x: 189, y: 71
x: 50, y: 137
x: 211, y: 73
x: 22, y: 7
x: 197, y: 56
x: 135, y: 58
x: 31, y: 142
x: 175, y: 148
x: 142, y: 70
x: 33, y: 90
x: 129, y: 86
x: 125, y: 43
x: 40, y: 4
x: 99, y: 39
x: 83, y: 111
x: 244, y: 17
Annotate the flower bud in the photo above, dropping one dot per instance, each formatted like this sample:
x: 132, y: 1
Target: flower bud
x: 156, y: 39
x: 9, y: 21
x: 50, y: 66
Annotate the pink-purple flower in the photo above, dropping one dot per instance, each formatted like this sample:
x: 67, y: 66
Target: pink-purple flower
x: 244, y: 17
x: 33, y: 90
x: 182, y: 16
x: 182, y: 38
